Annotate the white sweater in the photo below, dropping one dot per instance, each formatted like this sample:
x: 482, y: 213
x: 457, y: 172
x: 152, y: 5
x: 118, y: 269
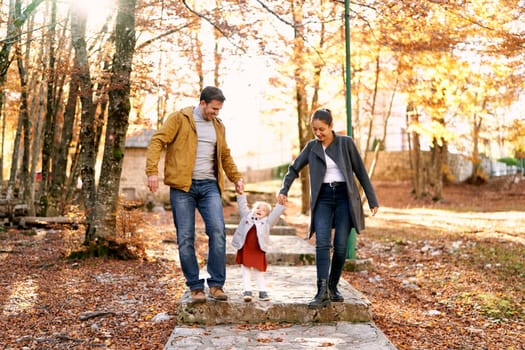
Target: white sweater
x: 262, y: 226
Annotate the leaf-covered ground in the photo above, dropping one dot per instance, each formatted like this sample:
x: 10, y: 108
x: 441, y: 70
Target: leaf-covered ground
x: 446, y: 275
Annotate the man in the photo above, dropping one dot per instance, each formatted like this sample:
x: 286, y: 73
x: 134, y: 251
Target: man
x: 197, y: 157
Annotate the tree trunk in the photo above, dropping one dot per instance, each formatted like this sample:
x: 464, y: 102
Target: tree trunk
x: 59, y: 187
x: 38, y: 116
x: 7, y: 43
x: 103, y: 104
x: 437, y: 168
x: 74, y: 175
x: 381, y: 142
x: 48, y: 147
x: 16, y: 20
x: 475, y: 176
x: 12, y: 183
x: 373, y: 108
x: 3, y: 120
x: 25, y: 181
x: 415, y: 155
x: 88, y: 151
x: 118, y: 120
x: 58, y: 160
x: 217, y: 54
x: 305, y: 133
x: 437, y: 161
x: 30, y: 131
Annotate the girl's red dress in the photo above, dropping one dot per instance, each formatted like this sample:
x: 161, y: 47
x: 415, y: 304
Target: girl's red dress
x: 251, y: 255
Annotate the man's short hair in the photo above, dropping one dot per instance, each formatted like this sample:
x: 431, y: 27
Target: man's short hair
x: 210, y: 93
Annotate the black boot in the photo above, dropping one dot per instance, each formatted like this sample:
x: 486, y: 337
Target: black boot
x: 322, y: 298
x: 335, y: 296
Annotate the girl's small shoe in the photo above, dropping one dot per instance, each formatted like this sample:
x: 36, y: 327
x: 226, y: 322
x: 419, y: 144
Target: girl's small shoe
x: 264, y: 296
x: 247, y: 296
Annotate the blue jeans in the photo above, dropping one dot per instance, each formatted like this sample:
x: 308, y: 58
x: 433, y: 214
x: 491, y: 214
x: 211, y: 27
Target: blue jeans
x: 205, y: 196
x: 331, y: 211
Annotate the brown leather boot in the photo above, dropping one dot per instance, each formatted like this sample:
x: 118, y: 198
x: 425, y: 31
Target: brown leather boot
x: 198, y: 296
x: 218, y: 294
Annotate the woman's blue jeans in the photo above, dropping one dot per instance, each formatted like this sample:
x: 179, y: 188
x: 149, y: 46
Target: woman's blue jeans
x: 331, y: 211
x: 205, y: 196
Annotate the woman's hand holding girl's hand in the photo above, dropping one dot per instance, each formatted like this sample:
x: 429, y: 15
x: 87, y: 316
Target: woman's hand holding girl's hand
x: 282, y: 199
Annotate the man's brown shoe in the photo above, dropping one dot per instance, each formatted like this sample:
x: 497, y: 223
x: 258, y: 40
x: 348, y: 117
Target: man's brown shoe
x: 217, y: 293
x: 198, y: 296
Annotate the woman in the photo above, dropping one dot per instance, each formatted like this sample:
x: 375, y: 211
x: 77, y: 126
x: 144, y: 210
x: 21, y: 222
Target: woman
x: 335, y: 201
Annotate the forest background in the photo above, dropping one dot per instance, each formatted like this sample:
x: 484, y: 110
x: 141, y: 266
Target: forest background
x: 76, y: 77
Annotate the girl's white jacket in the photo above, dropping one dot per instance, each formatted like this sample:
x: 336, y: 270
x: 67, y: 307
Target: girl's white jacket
x: 263, y: 225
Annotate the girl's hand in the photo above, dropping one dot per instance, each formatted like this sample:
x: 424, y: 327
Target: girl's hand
x: 282, y: 199
x: 239, y: 186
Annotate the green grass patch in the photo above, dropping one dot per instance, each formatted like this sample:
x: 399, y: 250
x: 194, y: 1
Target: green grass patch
x: 504, y: 264
x: 493, y: 305
x: 28, y: 233
x: 498, y: 306
x: 506, y: 260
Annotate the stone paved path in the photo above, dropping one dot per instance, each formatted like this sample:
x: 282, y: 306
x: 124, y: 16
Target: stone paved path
x: 284, y: 322
x: 340, y: 335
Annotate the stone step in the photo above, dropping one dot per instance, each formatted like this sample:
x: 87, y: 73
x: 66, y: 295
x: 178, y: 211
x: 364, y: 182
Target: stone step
x: 339, y: 335
x: 284, y: 250
x: 278, y: 230
x: 290, y: 289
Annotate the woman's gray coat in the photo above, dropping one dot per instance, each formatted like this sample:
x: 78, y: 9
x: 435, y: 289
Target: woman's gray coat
x: 262, y: 226
x: 344, y: 153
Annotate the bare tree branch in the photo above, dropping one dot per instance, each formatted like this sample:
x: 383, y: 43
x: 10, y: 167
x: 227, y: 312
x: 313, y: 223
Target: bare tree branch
x: 200, y: 15
x: 158, y: 37
x: 275, y: 14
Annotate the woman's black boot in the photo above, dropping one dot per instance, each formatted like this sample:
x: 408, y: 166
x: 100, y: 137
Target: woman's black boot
x: 335, y: 296
x: 322, y: 298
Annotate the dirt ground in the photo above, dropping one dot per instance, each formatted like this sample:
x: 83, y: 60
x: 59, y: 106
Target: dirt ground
x: 448, y: 275
x: 445, y: 275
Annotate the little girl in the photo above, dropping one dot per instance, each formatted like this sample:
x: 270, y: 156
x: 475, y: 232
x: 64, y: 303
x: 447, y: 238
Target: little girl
x: 252, y: 238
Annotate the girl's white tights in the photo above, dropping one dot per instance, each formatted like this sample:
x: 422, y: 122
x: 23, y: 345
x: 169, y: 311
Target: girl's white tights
x: 247, y: 277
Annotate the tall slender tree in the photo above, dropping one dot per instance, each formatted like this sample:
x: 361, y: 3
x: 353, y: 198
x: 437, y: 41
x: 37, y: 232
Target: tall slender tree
x: 16, y: 19
x: 88, y: 151
x: 118, y: 121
